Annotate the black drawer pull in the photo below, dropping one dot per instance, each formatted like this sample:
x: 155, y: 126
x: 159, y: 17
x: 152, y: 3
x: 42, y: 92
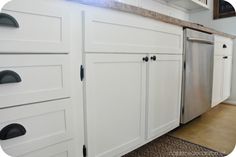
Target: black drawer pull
x: 12, y: 131
x: 8, y: 20
x: 224, y: 46
x: 8, y: 76
x: 225, y: 57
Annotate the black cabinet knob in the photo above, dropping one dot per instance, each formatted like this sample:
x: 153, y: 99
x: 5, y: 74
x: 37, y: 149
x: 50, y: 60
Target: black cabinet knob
x: 145, y: 59
x: 224, y: 46
x: 12, y: 131
x: 154, y: 58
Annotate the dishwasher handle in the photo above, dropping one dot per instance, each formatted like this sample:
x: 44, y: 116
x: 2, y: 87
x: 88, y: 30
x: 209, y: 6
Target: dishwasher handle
x: 200, y: 40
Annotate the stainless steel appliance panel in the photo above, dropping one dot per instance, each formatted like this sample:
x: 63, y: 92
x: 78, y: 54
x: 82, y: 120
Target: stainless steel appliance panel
x: 198, y: 74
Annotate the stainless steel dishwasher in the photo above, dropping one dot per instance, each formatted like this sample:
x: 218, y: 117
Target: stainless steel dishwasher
x: 197, y: 74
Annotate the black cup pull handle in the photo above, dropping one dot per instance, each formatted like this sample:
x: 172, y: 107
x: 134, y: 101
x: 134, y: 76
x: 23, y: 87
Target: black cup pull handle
x: 12, y: 131
x: 225, y: 57
x: 8, y: 76
x: 224, y: 46
x: 8, y: 21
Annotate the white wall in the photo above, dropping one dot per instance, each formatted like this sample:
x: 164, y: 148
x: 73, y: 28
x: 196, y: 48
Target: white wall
x: 160, y: 6
x: 227, y: 25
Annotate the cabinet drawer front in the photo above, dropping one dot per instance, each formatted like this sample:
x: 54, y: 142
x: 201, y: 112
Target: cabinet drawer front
x: 43, y: 29
x: 122, y: 32
x: 45, y: 124
x: 43, y: 77
x: 223, y: 46
x: 65, y: 149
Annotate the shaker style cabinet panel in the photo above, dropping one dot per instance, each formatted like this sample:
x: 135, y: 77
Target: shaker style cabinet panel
x: 217, y: 80
x: 120, y: 32
x: 164, y: 93
x: 33, y: 78
x: 115, y: 103
x: 45, y: 124
x: 42, y: 29
x: 227, y: 76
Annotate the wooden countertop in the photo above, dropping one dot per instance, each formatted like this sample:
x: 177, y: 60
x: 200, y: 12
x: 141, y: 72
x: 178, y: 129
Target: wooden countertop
x: 111, y: 4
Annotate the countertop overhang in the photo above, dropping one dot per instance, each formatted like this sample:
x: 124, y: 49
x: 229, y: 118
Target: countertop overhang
x: 111, y: 4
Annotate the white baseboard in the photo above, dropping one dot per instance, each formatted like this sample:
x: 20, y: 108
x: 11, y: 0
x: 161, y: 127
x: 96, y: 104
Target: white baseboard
x: 230, y: 102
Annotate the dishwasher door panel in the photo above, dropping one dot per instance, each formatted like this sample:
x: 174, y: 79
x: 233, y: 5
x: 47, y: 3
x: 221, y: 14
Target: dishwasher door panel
x: 198, y: 79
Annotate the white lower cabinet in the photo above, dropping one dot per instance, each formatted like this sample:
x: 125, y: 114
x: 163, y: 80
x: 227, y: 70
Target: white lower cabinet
x: 221, y: 79
x: 117, y: 101
x: 164, y: 93
x: 223, y: 49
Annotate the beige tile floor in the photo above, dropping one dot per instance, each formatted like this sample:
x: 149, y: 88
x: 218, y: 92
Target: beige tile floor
x: 215, y: 129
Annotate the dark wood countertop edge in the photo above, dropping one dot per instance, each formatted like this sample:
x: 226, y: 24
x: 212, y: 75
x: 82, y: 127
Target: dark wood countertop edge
x: 111, y: 4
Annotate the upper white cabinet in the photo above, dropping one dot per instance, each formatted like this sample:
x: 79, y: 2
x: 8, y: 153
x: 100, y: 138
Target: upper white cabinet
x: 164, y: 93
x: 115, y: 103
x: 42, y: 29
x: 223, y: 49
x: 122, y: 32
x: 191, y: 5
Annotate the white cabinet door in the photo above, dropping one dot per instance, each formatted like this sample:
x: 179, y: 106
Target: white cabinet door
x: 221, y: 79
x: 164, y: 94
x: 217, y: 80
x: 227, y: 60
x: 115, y: 103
